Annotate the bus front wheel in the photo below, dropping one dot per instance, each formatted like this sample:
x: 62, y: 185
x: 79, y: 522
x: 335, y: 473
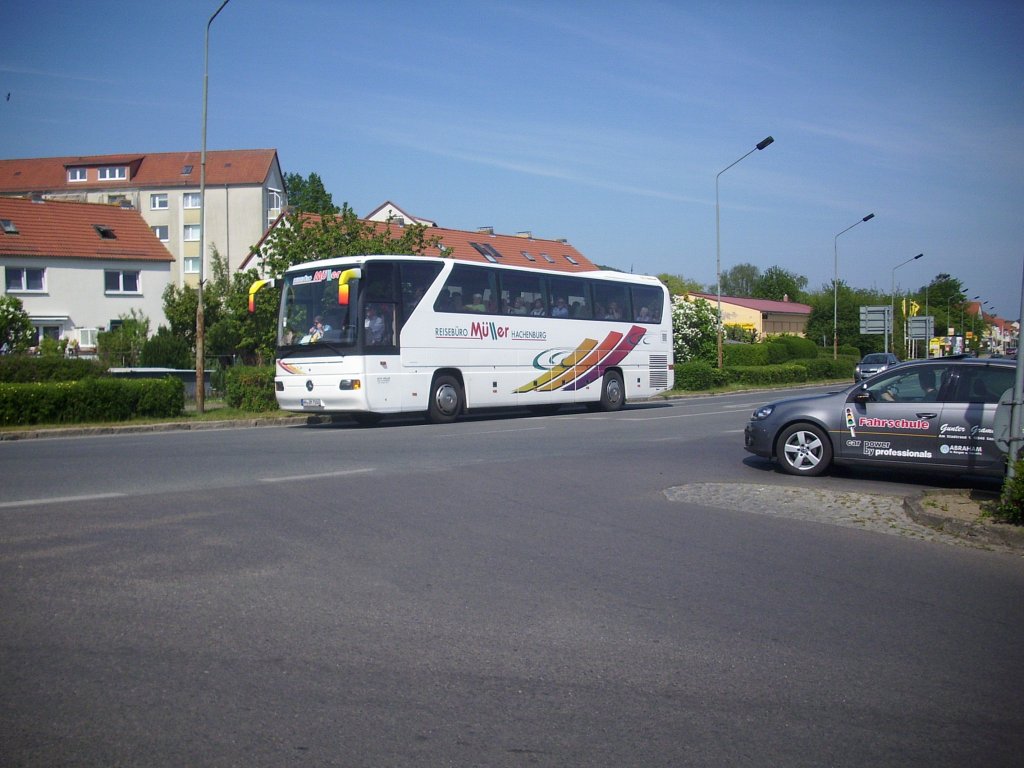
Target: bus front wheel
x: 613, y: 393
x: 445, y: 400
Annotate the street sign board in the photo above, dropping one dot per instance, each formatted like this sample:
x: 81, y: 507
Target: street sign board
x: 921, y: 327
x: 875, y: 320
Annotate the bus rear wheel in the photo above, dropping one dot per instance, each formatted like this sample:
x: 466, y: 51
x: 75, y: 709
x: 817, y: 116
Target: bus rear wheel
x: 445, y: 400
x: 613, y: 393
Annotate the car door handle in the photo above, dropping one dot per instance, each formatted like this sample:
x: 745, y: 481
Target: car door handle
x: 927, y: 415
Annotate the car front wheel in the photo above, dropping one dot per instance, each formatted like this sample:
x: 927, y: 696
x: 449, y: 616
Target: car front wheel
x: 803, y: 449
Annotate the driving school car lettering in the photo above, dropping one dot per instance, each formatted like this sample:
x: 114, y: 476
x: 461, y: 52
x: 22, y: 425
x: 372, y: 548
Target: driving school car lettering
x: 867, y: 421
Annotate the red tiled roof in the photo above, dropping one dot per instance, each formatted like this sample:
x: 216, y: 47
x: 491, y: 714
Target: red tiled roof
x: 162, y: 169
x: 57, y: 229
x: 760, y: 305
x: 458, y: 244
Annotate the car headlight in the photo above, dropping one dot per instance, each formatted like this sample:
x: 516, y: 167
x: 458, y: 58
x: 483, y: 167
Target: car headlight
x: 763, y: 412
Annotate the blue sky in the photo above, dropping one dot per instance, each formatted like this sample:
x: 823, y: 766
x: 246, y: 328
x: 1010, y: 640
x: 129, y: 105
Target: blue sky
x: 604, y: 123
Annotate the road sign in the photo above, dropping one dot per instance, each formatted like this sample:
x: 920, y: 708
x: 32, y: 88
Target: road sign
x: 874, y: 320
x: 920, y: 327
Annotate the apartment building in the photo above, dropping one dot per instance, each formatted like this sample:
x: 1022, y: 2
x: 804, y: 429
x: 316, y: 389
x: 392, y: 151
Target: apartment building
x: 244, y: 194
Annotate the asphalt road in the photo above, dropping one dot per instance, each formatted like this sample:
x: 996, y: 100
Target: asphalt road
x: 500, y: 591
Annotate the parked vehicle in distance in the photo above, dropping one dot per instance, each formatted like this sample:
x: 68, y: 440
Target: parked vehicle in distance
x: 933, y: 415
x: 876, y: 362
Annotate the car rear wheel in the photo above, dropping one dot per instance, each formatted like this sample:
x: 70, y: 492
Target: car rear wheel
x: 803, y: 449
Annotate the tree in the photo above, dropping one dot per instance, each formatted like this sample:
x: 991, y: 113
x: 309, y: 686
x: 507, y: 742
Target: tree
x: 678, y: 285
x: 694, y: 330
x: 777, y: 284
x: 16, y: 330
x: 309, y: 195
x: 738, y: 281
x: 122, y: 347
x: 823, y: 310
x: 302, y: 238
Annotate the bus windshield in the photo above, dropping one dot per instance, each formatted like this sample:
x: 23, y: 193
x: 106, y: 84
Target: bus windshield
x: 318, y: 306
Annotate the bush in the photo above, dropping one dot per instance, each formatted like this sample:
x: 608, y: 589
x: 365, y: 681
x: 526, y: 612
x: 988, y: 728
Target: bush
x: 788, y: 373
x: 250, y: 388
x: 827, y: 368
x: 745, y: 354
x: 91, y: 399
x: 1010, y: 507
x: 698, y: 375
x: 165, y: 350
x: 26, y: 368
x: 783, y: 348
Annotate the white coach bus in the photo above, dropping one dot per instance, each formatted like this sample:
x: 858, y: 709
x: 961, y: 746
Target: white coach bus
x: 372, y: 335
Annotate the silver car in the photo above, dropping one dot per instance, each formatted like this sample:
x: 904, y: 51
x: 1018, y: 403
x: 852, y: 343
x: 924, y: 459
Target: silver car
x: 874, y: 363
x: 933, y: 415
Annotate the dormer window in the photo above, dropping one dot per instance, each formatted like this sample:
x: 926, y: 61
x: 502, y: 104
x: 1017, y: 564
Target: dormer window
x: 113, y: 173
x: 571, y: 260
x: 186, y: 170
x: 9, y: 227
x: 77, y: 174
x: 105, y: 232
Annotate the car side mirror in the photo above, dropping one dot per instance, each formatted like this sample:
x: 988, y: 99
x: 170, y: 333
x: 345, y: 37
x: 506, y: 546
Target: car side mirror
x: 863, y: 396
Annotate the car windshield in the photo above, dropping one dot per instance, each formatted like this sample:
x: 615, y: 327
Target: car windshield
x: 879, y: 358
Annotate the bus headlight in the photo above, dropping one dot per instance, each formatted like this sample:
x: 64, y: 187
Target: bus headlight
x: 349, y: 384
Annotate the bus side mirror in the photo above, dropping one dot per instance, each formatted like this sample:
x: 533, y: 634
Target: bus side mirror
x: 343, y: 280
x: 254, y: 289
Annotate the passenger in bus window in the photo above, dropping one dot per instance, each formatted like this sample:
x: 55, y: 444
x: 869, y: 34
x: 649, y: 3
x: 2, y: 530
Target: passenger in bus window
x: 561, y: 309
x: 477, y: 305
x: 518, y: 307
x: 318, y: 329
x: 374, y: 326
x: 613, y: 312
x: 644, y: 316
x: 538, y: 308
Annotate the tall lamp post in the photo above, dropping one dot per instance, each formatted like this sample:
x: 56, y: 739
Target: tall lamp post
x: 835, y: 286
x: 718, y: 241
x: 892, y: 303
x: 200, y: 318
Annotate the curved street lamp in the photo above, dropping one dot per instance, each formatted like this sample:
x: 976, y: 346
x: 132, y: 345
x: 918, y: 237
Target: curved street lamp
x: 718, y: 241
x: 200, y: 319
x: 835, y: 286
x: 890, y: 339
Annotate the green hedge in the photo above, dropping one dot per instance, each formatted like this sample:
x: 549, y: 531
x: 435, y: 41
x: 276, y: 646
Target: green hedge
x: 28, y: 368
x: 827, y: 368
x: 698, y: 375
x: 91, y: 399
x: 745, y: 354
x: 250, y: 388
x: 786, y: 373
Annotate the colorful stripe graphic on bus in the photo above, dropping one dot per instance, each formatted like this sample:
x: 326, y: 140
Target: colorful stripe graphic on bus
x: 587, y: 363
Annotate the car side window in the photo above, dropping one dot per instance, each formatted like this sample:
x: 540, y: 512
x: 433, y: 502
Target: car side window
x: 984, y: 384
x: 916, y: 385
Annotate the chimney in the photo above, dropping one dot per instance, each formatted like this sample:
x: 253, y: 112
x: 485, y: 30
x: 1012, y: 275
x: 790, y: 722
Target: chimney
x: 785, y: 297
x: 485, y: 230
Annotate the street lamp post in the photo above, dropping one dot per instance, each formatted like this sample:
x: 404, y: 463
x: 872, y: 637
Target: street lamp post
x: 892, y: 302
x: 835, y: 286
x: 718, y: 241
x: 200, y: 317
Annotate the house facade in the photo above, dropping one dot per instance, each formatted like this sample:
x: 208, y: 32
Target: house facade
x: 764, y: 316
x: 77, y: 268
x: 244, y: 194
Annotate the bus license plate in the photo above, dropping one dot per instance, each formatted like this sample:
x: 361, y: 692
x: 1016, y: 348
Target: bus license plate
x: 311, y: 403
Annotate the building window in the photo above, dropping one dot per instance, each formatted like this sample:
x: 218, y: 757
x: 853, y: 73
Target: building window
x: 158, y: 202
x: 77, y: 174
x: 274, y: 199
x: 105, y: 232
x: 45, y: 332
x: 192, y: 233
x: 191, y: 199
x: 191, y: 265
x: 27, y: 280
x: 161, y: 232
x: 121, y: 281
x: 87, y: 337
x: 113, y: 173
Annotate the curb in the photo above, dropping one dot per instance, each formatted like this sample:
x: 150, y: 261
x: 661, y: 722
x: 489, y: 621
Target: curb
x: 982, y: 530
x: 170, y: 426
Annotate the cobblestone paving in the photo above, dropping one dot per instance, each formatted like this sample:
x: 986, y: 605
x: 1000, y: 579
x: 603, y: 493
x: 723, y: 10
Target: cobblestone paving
x: 867, y: 511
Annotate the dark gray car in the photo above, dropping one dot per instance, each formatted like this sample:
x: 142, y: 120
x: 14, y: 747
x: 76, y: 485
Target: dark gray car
x: 874, y: 363
x: 933, y: 415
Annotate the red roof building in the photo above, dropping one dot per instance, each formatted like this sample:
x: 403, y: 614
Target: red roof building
x: 75, y: 267
x: 761, y: 315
